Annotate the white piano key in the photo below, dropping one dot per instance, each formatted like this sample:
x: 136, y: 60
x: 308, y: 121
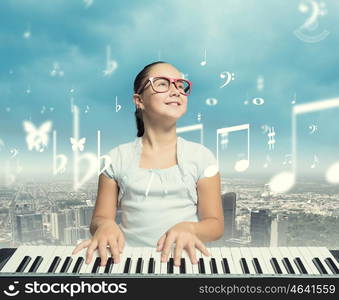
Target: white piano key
x: 163, y: 265
x: 206, y: 260
x: 326, y: 253
x: 15, y: 260
x: 316, y: 253
x: 33, y: 253
x: 48, y: 258
x: 157, y: 260
x: 123, y: 258
x: 286, y: 253
x: 66, y: 251
x: 276, y: 253
x: 236, y: 256
x: 296, y: 253
x: 109, y: 254
x: 136, y: 254
x: 264, y: 263
x: 188, y: 263
x: 195, y: 267
x: 59, y: 251
x: 216, y: 254
x: 81, y: 253
x: 266, y: 255
x: 176, y: 269
x: 147, y: 254
x: 226, y: 253
x: 87, y: 268
x: 308, y: 258
x: 246, y: 253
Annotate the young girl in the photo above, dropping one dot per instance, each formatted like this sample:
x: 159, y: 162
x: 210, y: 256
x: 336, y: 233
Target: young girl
x: 168, y: 188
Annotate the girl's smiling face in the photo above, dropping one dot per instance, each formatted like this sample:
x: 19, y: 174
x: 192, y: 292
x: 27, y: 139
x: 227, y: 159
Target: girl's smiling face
x: 171, y: 104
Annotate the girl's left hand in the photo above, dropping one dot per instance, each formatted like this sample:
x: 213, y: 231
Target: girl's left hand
x: 182, y: 234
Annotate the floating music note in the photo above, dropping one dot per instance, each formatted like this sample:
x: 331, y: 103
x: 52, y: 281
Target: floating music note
x: 288, y: 159
x: 199, y: 117
x: 267, y: 162
x: 111, y: 65
x: 106, y: 158
x: 229, y: 77
x: 243, y: 164
x: 43, y: 109
x: 90, y: 157
x: 86, y: 109
x: 271, y: 138
x: 315, y: 161
x: 193, y: 128
x: 8, y: 109
x: 37, y: 138
x: 211, y: 101
x: 14, y: 152
x: 260, y: 83
x: 313, y: 128
x: 117, y: 106
x: 224, y: 140
x: 258, y: 101
x: 59, y: 160
x: 56, y: 70
x: 294, y: 100
x: 204, y: 62
x: 27, y: 33
x: 28, y: 90
x: 284, y: 181
x: 306, y: 30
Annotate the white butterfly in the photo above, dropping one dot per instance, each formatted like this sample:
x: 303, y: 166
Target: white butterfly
x: 37, y: 138
x: 78, y: 144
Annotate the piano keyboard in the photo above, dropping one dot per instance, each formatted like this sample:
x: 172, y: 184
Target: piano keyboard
x: 224, y: 261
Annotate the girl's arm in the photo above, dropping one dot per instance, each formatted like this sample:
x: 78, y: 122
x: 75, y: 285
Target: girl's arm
x: 211, y: 224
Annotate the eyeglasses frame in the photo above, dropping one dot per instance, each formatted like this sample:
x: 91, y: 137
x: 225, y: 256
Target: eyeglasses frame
x: 171, y: 80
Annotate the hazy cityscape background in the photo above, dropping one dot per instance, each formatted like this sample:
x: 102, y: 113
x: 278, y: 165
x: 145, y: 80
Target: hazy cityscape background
x: 35, y: 213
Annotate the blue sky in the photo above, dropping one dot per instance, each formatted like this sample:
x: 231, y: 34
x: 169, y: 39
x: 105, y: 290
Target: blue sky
x: 246, y: 37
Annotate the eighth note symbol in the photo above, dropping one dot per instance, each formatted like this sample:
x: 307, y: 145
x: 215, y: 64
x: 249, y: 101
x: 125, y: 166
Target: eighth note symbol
x: 315, y: 161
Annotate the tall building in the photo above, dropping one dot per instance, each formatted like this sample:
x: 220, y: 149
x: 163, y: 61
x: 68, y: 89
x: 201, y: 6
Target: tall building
x: 260, y: 228
x: 29, y: 227
x: 74, y: 234
x: 229, y: 207
x: 83, y: 216
x: 60, y: 221
x: 279, y: 229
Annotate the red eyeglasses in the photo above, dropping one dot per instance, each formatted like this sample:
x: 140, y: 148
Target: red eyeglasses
x: 162, y: 85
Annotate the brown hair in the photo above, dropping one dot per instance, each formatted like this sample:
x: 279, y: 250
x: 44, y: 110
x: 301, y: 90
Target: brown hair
x: 138, y: 81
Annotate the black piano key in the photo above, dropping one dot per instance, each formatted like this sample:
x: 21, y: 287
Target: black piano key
x: 139, y: 265
x: 329, y: 261
x: 78, y: 265
x: 288, y: 265
x: 151, y: 266
x: 244, y: 266
x: 36, y: 263
x: 300, y: 265
x: 56, y: 261
x: 226, y: 266
x: 109, y: 265
x: 182, y: 266
x: 127, y: 265
x: 66, y: 264
x: 201, y: 266
x: 257, y: 266
x: 170, y: 265
x: 275, y: 265
x: 96, y: 265
x: 213, y: 266
x: 23, y: 264
x: 319, y: 265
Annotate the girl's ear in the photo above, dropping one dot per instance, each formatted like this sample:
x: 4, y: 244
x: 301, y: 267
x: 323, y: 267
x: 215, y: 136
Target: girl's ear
x: 138, y: 101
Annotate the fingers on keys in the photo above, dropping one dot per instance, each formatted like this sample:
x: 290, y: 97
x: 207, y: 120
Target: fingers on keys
x: 81, y: 246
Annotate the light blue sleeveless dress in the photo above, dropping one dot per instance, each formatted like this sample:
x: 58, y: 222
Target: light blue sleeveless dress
x: 153, y: 200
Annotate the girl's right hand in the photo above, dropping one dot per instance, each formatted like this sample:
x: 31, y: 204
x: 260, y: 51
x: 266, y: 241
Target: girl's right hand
x: 109, y: 234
